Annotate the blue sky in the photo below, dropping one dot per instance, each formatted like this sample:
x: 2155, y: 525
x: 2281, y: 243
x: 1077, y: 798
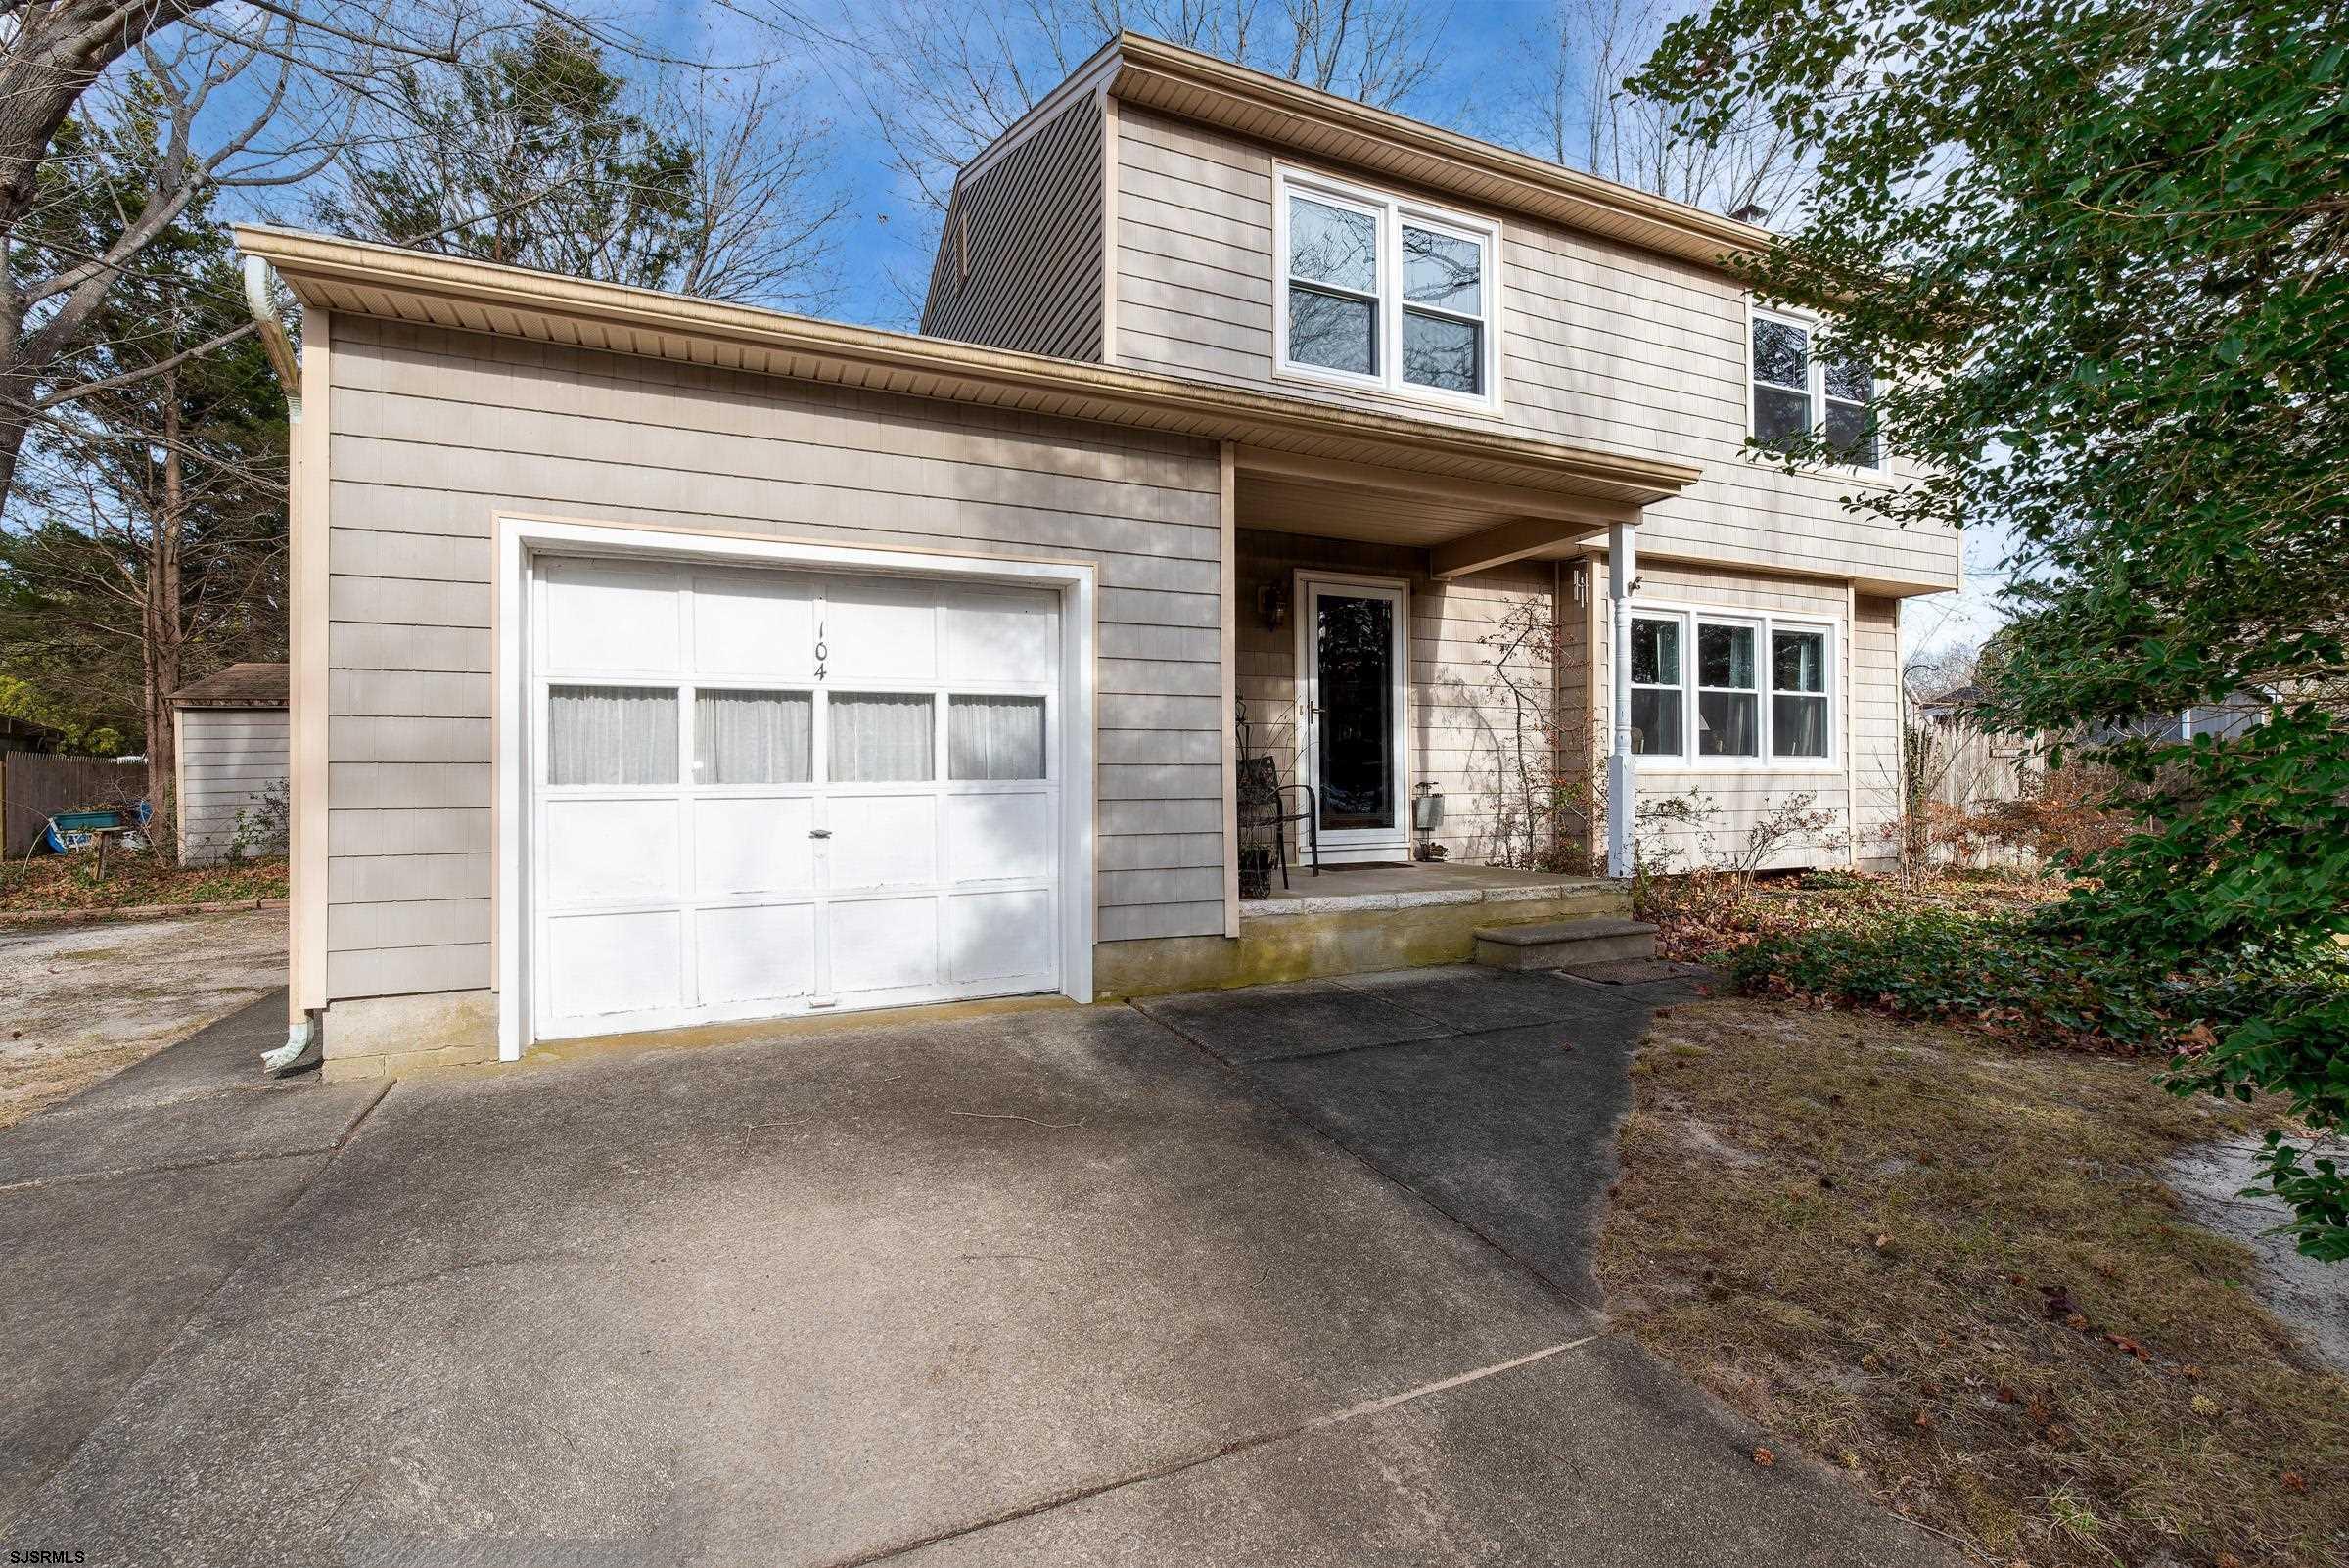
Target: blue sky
x: 887, y: 227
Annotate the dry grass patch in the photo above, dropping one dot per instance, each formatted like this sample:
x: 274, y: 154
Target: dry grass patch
x: 1955, y: 1272
x: 133, y: 880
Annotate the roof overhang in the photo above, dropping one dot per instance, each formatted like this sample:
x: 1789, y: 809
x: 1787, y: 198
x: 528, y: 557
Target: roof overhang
x: 1184, y: 82
x: 415, y: 287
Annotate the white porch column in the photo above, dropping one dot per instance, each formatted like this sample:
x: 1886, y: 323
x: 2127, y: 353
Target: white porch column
x: 1622, y: 568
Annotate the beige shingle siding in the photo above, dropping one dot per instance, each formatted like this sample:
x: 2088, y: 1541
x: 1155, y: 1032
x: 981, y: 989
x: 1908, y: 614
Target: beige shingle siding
x: 1876, y: 729
x: 1032, y: 224
x: 435, y: 432
x: 1601, y: 345
x: 229, y: 757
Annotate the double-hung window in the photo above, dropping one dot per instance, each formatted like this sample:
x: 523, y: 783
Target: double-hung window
x: 1728, y: 690
x: 1796, y: 391
x: 1383, y: 293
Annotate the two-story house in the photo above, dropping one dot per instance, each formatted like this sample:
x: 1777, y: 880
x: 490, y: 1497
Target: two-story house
x: 659, y: 662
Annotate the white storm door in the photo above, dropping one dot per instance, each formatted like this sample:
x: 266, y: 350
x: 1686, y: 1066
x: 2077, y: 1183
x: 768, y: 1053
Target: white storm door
x: 1353, y: 657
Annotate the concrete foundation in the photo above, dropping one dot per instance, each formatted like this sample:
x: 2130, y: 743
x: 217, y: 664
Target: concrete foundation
x: 384, y: 1036
x: 1309, y: 933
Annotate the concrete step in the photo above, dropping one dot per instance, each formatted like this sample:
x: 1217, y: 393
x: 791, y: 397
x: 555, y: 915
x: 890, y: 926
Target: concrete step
x: 1565, y: 944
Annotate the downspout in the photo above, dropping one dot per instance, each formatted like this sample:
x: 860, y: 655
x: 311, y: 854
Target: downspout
x: 302, y: 1030
x: 1622, y: 566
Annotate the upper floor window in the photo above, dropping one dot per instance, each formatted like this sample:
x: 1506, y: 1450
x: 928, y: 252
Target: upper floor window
x: 1796, y: 392
x: 1383, y: 293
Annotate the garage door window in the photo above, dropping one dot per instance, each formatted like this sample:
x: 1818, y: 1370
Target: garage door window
x: 611, y: 736
x: 995, y: 737
x: 882, y: 738
x: 753, y: 737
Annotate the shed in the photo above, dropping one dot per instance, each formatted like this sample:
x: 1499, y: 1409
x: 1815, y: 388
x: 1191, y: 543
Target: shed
x: 231, y: 743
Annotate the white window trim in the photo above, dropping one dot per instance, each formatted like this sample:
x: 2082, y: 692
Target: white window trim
x: 1764, y: 623
x: 520, y: 538
x: 1816, y: 375
x: 1391, y: 211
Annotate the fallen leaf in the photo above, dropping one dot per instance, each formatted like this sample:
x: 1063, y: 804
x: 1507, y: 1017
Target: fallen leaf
x: 2294, y: 1481
x: 2007, y: 1396
x: 1765, y: 1458
x: 1922, y: 1422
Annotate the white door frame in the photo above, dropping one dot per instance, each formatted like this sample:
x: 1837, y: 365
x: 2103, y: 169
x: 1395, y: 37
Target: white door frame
x: 1354, y: 844
x: 520, y: 538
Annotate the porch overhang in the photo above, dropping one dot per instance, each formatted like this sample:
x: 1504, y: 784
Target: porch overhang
x: 1428, y: 455
x: 1466, y: 525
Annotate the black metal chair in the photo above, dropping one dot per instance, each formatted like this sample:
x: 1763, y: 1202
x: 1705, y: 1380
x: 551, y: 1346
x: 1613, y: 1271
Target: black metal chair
x: 1264, y: 802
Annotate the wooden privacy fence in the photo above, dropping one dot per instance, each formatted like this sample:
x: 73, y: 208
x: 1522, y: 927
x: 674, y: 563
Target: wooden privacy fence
x: 35, y: 786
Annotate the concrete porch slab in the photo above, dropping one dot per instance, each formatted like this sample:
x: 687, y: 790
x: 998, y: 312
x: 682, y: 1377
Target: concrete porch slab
x: 1409, y: 885
x: 1360, y: 920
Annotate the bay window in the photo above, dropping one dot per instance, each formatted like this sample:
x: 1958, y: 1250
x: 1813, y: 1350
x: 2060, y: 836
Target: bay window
x: 1797, y: 391
x: 1384, y: 293
x: 1724, y: 689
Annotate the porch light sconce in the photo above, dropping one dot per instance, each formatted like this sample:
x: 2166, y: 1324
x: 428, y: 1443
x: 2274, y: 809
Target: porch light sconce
x: 1427, y: 815
x: 1271, y: 607
x: 1581, y: 582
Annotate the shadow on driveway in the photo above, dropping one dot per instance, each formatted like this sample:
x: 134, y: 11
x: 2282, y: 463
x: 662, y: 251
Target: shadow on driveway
x: 1076, y: 1286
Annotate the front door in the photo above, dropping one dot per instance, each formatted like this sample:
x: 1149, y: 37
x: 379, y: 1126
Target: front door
x: 1355, y: 657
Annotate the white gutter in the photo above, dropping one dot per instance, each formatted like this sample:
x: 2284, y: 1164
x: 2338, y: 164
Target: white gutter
x: 275, y: 340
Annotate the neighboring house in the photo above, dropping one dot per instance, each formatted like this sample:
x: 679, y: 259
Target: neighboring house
x: 230, y: 734
x: 658, y: 661
x: 24, y: 735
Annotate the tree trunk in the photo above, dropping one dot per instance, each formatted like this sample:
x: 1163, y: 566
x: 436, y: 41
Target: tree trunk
x: 165, y: 635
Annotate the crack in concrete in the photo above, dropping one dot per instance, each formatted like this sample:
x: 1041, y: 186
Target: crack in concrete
x: 240, y: 1156
x: 201, y: 1310
x: 1238, y: 1445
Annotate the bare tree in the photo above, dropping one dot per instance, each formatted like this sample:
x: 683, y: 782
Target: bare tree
x: 939, y: 79
x: 534, y: 153
x: 247, y: 96
x: 1570, y: 105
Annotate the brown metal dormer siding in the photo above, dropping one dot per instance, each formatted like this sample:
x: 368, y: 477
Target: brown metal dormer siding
x: 1020, y: 261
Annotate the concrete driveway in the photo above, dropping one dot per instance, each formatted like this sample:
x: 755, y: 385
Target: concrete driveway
x: 1297, y: 1275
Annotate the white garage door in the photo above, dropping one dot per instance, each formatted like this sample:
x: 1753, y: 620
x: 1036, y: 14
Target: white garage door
x: 762, y: 793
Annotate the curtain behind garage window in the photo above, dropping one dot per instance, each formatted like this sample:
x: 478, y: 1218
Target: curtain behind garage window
x: 753, y: 737
x: 881, y: 737
x: 611, y: 735
x: 995, y: 737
